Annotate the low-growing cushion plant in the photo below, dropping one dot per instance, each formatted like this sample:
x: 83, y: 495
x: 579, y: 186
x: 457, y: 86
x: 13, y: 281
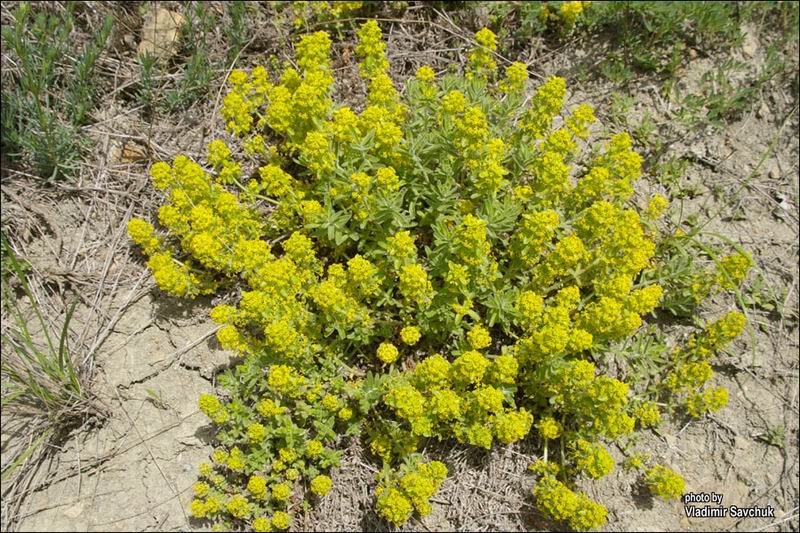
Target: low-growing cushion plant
x: 447, y: 264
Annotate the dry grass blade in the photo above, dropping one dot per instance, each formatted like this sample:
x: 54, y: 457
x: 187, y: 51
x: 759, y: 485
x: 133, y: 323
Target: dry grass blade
x: 44, y: 392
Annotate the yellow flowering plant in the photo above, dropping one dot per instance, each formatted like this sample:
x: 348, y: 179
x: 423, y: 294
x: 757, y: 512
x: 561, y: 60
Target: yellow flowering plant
x: 320, y: 11
x: 454, y: 261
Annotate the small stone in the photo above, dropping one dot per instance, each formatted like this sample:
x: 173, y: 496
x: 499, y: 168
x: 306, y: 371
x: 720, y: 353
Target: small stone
x: 750, y: 44
x: 160, y: 33
x: 129, y: 40
x: 774, y: 171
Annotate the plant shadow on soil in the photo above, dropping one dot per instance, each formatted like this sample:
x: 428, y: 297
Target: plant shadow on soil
x: 173, y: 309
x: 370, y: 521
x: 641, y: 495
x: 206, y: 434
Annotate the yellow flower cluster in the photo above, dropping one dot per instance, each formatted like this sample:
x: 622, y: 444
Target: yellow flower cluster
x: 143, y: 235
x: 709, y: 400
x: 320, y: 11
x: 210, y: 222
x: 401, y: 245
x: 462, y: 399
x: 470, y: 367
x: 478, y: 337
x: 733, y: 269
x: 664, y: 482
x: 647, y: 414
x: 597, y: 404
x: 562, y: 504
x: 321, y: 485
x: 545, y: 105
x: 549, y: 428
x: 516, y: 76
x: 580, y: 120
x: 262, y: 524
x: 268, y: 488
x: 569, y: 11
x: 415, y: 285
x: 729, y: 273
x: 257, y: 486
x: 399, y: 496
x: 256, y: 433
x: 481, y: 62
x: 387, y: 353
x: 592, y: 459
x: 372, y: 50
x: 213, y: 408
x: 470, y: 243
x: 536, y: 231
x: 425, y: 74
x: 281, y: 520
x: 410, y: 335
x: 238, y: 506
x: 691, y: 369
x: 248, y: 93
x: 205, y: 508
x: 656, y: 207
